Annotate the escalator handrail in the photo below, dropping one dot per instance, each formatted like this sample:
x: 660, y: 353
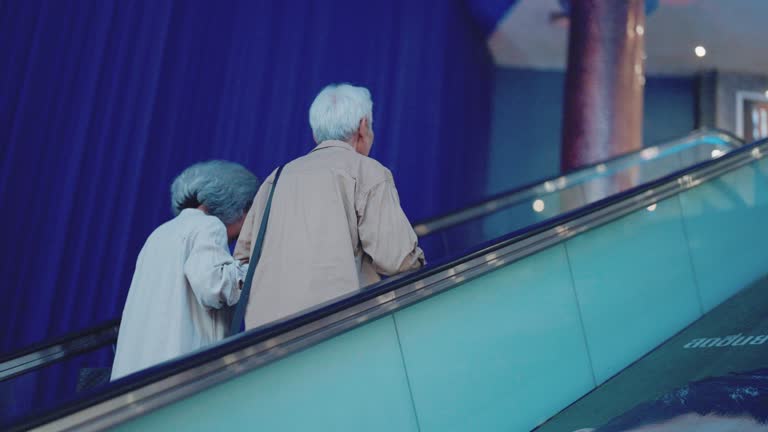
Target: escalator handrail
x: 67, y: 346
x: 171, y: 381
x: 51, y: 351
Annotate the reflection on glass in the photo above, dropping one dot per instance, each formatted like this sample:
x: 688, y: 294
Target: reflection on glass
x: 649, y: 153
x: 736, y: 402
x: 754, y: 117
x: 712, y: 376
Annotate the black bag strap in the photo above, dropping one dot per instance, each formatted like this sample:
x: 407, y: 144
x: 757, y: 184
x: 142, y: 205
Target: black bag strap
x: 237, y: 319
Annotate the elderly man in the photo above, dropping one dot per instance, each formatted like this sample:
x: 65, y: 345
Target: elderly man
x: 185, y: 278
x: 335, y: 222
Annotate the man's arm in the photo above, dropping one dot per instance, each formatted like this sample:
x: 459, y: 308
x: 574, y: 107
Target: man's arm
x: 385, y: 233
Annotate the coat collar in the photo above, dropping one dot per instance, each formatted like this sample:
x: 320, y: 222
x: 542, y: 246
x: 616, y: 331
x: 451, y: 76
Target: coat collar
x: 333, y: 143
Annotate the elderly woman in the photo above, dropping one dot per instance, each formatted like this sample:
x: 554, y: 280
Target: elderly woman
x: 185, y: 278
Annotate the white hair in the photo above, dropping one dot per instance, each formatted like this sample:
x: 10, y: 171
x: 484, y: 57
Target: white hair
x: 227, y: 189
x: 337, y: 110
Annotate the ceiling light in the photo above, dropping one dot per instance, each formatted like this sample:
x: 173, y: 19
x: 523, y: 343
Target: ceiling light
x: 538, y: 206
x: 700, y: 51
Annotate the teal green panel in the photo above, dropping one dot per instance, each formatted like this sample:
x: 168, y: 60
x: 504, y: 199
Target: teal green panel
x: 635, y: 285
x: 503, y: 352
x: 354, y: 382
x: 726, y: 219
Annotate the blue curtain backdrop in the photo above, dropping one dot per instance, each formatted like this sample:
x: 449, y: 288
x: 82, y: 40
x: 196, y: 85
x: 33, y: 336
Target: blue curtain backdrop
x: 103, y: 102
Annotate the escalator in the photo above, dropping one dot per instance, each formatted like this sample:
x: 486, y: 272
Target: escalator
x: 542, y: 295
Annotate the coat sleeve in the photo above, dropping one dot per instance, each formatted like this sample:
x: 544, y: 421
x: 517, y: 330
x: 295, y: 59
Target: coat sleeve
x: 385, y: 233
x: 215, y: 277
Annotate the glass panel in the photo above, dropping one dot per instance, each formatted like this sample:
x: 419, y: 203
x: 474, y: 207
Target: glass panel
x: 354, y: 382
x: 554, y: 197
x: 716, y: 362
x: 47, y: 387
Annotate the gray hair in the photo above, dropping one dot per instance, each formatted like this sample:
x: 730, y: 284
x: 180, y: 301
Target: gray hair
x: 225, y: 188
x: 337, y: 110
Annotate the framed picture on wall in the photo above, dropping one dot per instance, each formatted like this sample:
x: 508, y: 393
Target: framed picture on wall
x: 752, y: 115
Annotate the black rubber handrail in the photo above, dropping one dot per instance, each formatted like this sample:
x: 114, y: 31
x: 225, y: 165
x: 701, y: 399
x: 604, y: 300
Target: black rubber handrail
x: 62, y: 348
x: 63, y: 339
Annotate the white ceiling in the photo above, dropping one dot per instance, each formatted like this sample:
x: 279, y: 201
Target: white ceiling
x: 734, y: 32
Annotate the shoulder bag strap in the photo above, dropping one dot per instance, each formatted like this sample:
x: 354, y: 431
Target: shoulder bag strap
x: 237, y: 319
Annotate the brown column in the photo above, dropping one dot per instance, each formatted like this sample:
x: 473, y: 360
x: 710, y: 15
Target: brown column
x: 603, y: 114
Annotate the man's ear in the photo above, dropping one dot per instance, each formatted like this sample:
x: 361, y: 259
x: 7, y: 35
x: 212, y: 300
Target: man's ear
x: 361, y: 127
